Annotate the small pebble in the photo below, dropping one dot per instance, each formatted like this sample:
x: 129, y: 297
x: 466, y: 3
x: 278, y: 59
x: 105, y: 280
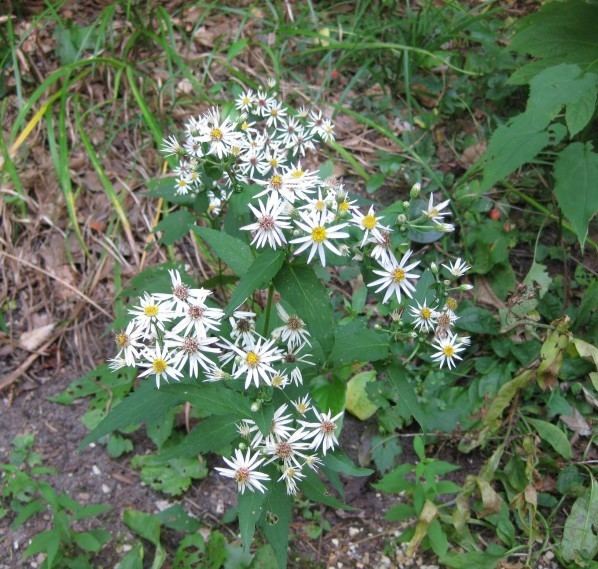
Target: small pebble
x: 95, y: 470
x: 105, y: 488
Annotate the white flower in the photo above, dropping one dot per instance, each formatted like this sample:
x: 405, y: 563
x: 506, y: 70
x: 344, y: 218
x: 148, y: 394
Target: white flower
x: 458, y: 268
x: 318, y: 236
x: 129, y: 343
x: 323, y: 431
x: 160, y: 363
x: 424, y: 316
x: 313, y: 461
x: 262, y: 103
x: 279, y: 381
x: 291, y: 475
x: 327, y: 131
x: 369, y: 224
x: 435, y: 212
x: 289, y: 450
x: 448, y: 350
x: 219, y: 133
x: 275, y: 113
x: 242, y: 323
x: 280, y: 428
x: 319, y: 206
x: 215, y: 374
x: 396, y: 278
x: 198, y: 317
x: 292, y: 331
x: 271, y: 220
x: 293, y: 359
x: 182, y: 186
x: 117, y: 363
x: 245, y: 101
x: 192, y: 350
x: 171, y: 146
x: 303, y: 405
x: 243, y: 469
x: 382, y: 250
x: 255, y: 361
x: 181, y: 294
x: 288, y: 132
x: 150, y: 314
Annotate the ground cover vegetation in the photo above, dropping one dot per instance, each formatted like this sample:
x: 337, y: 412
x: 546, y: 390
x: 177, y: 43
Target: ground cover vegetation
x: 327, y: 261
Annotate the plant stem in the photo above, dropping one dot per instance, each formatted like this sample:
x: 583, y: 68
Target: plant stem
x: 268, y: 308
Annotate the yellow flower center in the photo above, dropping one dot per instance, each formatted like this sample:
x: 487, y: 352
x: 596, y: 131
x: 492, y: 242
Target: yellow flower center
x: 343, y: 207
x: 448, y: 351
x: 122, y: 340
x: 302, y: 408
x: 452, y: 304
x: 276, y: 182
x: 246, y: 100
x: 159, y: 365
x: 216, y: 134
x: 398, y: 275
x: 245, y: 125
x: 274, y: 112
x: 252, y: 359
x: 242, y: 475
x: 277, y: 381
x: 425, y: 313
x: 320, y: 205
x: 298, y: 173
x: 433, y: 213
x: 369, y: 222
x: 182, y: 183
x: 151, y: 310
x: 273, y: 162
x: 318, y: 234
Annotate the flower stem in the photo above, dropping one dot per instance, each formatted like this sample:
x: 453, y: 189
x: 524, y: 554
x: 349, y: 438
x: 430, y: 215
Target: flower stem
x: 268, y: 308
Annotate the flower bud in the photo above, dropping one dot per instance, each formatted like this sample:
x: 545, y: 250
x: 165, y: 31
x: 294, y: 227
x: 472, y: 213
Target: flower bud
x: 405, y: 204
x: 434, y: 268
x: 446, y: 282
x: 415, y: 190
x: 255, y: 406
x: 242, y: 445
x: 466, y: 287
x: 401, y: 218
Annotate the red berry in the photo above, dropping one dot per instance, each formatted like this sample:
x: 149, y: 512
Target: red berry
x: 494, y: 214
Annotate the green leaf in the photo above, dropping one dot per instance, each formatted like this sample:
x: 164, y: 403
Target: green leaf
x: 479, y: 559
x: 133, y: 559
x: 357, y: 401
x: 395, y: 481
x: 118, y: 445
x: 340, y: 462
x: 477, y: 320
x: 216, y: 552
x: 172, y: 477
x: 91, y: 540
x: 178, y: 519
x: 409, y: 405
x: 260, y: 273
x: 165, y: 188
x: 175, y: 225
x: 329, y: 393
x: 275, y: 521
x: 250, y: 507
x: 147, y: 527
x: 576, y: 186
x: 579, y: 113
x: 553, y: 436
x: 236, y: 48
x: 234, y: 252
x: 511, y: 146
x: 400, y: 512
x: 580, y: 535
x: 317, y: 491
x: 148, y: 404
x: 47, y: 542
x: 190, y: 553
x: 560, y: 32
x: 355, y: 342
x: 213, y: 434
x: 301, y: 288
x: 160, y: 429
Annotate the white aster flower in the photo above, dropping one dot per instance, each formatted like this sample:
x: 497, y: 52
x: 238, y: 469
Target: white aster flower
x: 171, y: 146
x: 150, y: 314
x: 262, y: 103
x: 279, y: 380
x: 271, y: 220
x: 448, y: 350
x: 313, y: 461
x: 396, y: 278
x: 369, y: 224
x: 435, y: 212
x: 159, y: 362
x: 281, y: 428
x: 382, y: 250
x: 293, y: 360
x: 181, y: 294
x: 219, y: 133
x: 289, y: 450
x: 275, y: 113
x: 291, y: 475
x: 129, y: 343
x: 303, y: 405
x: 192, y: 350
x: 318, y: 237
x: 242, y: 324
x: 292, y: 331
x: 323, y: 431
x: 245, y: 101
x: 243, y: 469
x: 424, y: 316
x: 457, y: 268
x: 116, y: 363
x: 198, y: 317
x: 255, y: 361
x: 182, y: 186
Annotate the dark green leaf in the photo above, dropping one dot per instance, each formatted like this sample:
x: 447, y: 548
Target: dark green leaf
x: 275, y: 521
x: 580, y: 536
x: 355, y: 342
x: 178, y: 519
x: 250, y: 507
x: 260, y: 273
x: 234, y: 252
x: 553, y: 436
x: 477, y: 320
x: 175, y: 225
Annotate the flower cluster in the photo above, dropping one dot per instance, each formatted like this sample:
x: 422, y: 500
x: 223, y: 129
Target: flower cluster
x: 292, y: 445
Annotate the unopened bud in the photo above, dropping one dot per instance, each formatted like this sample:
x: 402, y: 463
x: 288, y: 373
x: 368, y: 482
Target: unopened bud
x: 466, y: 287
x: 434, y: 268
x: 415, y: 190
x: 447, y: 282
x: 401, y: 218
x: 242, y: 445
x: 405, y: 203
x: 413, y: 334
x: 255, y: 406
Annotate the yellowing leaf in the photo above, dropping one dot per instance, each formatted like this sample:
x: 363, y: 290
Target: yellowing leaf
x: 357, y: 402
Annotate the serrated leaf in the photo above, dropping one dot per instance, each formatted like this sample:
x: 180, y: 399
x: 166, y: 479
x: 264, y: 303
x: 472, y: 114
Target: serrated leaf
x: 260, y: 273
x: 576, y: 186
x: 250, y: 507
x: 355, y: 342
x: 301, y: 288
x: 175, y: 225
x: 147, y: 527
x: 234, y: 252
x: 511, y: 146
x: 172, y: 477
x: 118, y: 445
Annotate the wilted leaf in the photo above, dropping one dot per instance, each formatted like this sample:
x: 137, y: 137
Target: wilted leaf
x: 357, y: 401
x: 580, y: 535
x: 577, y: 423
